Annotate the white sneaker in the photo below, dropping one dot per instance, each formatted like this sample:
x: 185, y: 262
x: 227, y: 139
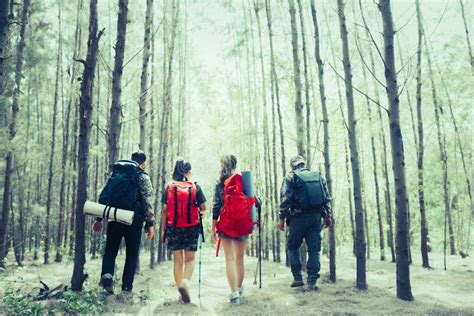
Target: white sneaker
x: 241, y: 291
x: 235, y: 298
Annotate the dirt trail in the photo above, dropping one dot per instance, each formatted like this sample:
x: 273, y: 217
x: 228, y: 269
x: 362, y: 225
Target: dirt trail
x: 437, y: 292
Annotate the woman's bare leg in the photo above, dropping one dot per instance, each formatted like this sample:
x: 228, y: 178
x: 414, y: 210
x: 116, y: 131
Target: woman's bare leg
x: 178, y: 266
x: 189, y: 264
x: 230, y: 264
x: 239, y: 247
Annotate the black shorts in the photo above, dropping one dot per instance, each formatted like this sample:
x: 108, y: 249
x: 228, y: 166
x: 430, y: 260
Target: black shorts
x: 183, y: 238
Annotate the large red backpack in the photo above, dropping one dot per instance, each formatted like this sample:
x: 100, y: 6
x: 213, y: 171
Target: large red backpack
x: 235, y: 219
x: 182, y: 208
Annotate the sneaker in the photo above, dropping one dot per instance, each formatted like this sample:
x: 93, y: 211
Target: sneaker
x: 184, y: 291
x: 241, y: 291
x: 107, y: 283
x: 297, y: 283
x: 235, y: 298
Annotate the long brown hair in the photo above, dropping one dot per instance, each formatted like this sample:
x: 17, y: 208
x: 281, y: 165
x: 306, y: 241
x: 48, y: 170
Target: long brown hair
x: 228, y: 165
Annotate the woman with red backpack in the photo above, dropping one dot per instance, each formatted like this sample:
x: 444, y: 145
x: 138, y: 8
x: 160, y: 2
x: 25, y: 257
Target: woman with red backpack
x: 183, y: 207
x: 232, y: 223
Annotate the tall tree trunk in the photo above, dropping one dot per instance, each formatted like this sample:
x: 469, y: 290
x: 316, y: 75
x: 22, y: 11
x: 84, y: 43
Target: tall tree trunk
x: 144, y: 76
x: 466, y: 29
x: 387, y: 195
x: 351, y: 122
x: 7, y: 186
x: 327, y: 159
x: 115, y: 120
x: 297, y: 82
x: 401, y: 197
x: 442, y: 151
x: 49, y: 196
x: 275, y: 108
x: 306, y: 83
x: 85, y: 107
x: 421, y: 145
x: 4, y: 43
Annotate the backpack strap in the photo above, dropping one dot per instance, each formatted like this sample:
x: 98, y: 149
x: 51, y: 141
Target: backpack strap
x: 190, y: 200
x: 175, y: 220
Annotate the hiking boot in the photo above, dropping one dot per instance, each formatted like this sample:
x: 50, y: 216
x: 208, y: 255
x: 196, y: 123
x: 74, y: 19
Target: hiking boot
x: 235, y: 298
x: 184, y: 291
x: 297, y: 283
x: 312, y: 287
x: 107, y: 283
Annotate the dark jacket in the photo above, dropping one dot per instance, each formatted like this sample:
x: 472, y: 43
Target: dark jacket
x: 217, y: 202
x: 288, y: 203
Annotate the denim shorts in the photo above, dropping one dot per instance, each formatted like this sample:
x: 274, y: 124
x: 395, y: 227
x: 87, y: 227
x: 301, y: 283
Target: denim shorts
x: 241, y: 238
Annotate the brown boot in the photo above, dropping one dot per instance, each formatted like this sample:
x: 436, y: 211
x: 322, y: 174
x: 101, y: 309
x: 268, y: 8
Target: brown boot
x: 297, y: 283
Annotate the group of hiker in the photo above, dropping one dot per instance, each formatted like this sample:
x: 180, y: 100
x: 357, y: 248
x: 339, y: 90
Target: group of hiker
x: 305, y: 207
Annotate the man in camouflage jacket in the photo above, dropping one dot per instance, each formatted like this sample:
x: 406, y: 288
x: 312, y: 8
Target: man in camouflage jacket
x: 305, y: 225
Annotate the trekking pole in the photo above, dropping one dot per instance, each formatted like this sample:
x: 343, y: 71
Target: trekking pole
x: 201, y: 240
x: 260, y: 244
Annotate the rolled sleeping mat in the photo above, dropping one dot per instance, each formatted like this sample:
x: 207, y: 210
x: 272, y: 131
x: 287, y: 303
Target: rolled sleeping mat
x: 248, y: 190
x: 108, y: 212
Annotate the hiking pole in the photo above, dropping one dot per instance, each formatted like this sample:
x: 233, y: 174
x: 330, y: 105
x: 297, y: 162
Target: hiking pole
x: 201, y: 240
x: 260, y: 243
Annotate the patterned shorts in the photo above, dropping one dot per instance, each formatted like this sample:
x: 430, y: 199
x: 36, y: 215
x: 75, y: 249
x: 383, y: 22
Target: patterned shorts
x: 180, y: 238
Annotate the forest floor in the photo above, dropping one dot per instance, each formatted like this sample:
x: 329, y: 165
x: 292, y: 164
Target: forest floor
x: 436, y: 291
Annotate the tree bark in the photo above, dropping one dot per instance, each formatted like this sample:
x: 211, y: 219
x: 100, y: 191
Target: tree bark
x: 421, y: 145
x: 297, y: 82
x: 4, y: 43
x: 401, y: 197
x: 85, y: 108
x: 275, y: 109
x: 115, y: 120
x: 49, y: 196
x: 306, y: 83
x: 7, y: 186
x: 351, y: 122
x: 466, y: 29
x: 442, y: 151
x: 327, y: 159
x: 144, y: 76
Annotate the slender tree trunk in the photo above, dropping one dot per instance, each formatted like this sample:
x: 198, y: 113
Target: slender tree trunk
x: 151, y: 169
x: 327, y: 160
x: 49, y: 197
x: 401, y: 197
x: 85, y: 107
x: 7, y: 185
x: 421, y: 146
x: 144, y: 76
x: 115, y: 120
x: 4, y: 43
x: 275, y: 108
x: 359, y: 212
x: 297, y: 82
x: 388, y: 198
x: 466, y: 29
x: 306, y: 83
x: 442, y: 150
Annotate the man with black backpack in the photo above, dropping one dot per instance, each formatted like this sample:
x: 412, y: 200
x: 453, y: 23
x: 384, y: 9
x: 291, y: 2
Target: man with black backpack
x: 305, y: 203
x: 129, y: 188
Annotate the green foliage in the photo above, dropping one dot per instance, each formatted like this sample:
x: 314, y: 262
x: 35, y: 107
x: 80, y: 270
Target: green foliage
x: 20, y: 304
x: 88, y: 302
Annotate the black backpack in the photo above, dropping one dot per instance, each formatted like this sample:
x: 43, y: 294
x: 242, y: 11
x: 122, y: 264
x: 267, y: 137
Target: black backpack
x: 309, y: 191
x: 121, y: 189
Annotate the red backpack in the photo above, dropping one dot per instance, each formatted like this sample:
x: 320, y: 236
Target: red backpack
x: 235, y: 219
x: 182, y: 208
